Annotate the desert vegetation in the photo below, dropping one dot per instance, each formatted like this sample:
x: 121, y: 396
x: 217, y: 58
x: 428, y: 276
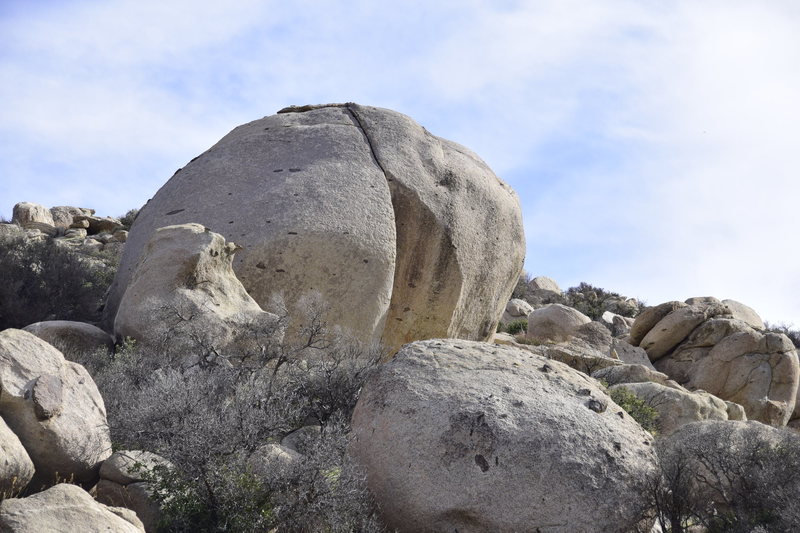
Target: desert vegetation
x: 45, y: 281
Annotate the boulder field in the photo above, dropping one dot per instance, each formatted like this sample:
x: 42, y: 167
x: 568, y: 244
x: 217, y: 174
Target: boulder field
x: 406, y: 235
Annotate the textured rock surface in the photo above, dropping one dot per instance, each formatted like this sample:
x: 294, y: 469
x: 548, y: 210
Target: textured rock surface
x: 615, y: 375
x: 516, y: 309
x: 134, y: 496
x: 362, y: 204
x: 545, y: 284
x: 186, y: 271
x: 555, y: 322
x: 26, y: 213
x: 16, y: 468
x: 72, y: 337
x: 63, y: 215
x: 130, y: 466
x: 54, y: 407
x: 716, y: 346
x: 458, y: 435
x: 64, y: 508
x: 677, y: 407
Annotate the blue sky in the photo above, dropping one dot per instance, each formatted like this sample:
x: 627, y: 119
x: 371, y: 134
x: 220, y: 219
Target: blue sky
x: 653, y: 144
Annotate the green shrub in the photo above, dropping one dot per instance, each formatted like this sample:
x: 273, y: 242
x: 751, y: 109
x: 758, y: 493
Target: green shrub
x: 128, y: 218
x: 45, y: 281
x: 517, y: 326
x: 646, y: 416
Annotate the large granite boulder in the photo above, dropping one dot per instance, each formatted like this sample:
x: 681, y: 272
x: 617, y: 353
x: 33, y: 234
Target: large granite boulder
x: 716, y: 346
x: 27, y: 214
x: 465, y: 436
x: 55, y: 409
x: 184, y: 295
x: 388, y: 222
x: 65, y: 508
x: 63, y: 215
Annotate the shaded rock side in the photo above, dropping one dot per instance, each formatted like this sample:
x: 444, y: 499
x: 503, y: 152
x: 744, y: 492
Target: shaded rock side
x: 361, y: 204
x: 16, y: 467
x: 184, y: 291
x: 72, y: 338
x: 459, y: 435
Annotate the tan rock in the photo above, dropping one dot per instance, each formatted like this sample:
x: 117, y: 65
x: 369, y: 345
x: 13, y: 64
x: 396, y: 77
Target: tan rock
x: 677, y: 407
x: 130, y: 466
x: 648, y: 318
x: 483, y: 428
x: 676, y: 326
x: 622, y: 374
x: 98, y: 224
x: 63, y: 507
x: 63, y: 215
x: 55, y: 409
x: 555, y: 322
x: 744, y: 313
x: 186, y: 271
x: 25, y: 213
x: 362, y: 204
x: 545, y: 283
x: 138, y: 497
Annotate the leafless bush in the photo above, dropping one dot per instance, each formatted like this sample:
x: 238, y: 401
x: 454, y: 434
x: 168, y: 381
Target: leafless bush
x: 209, y: 418
x: 728, y: 477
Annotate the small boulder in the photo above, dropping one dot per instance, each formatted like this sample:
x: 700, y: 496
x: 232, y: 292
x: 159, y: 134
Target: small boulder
x: 676, y: 406
x: 16, y: 467
x: 64, y: 507
x: 544, y: 283
x: 744, y: 313
x: 459, y: 435
x: 555, y: 322
x: 98, y: 224
x: 72, y: 338
x: 516, y: 309
x: 55, y: 409
x: 130, y: 466
x: 26, y: 213
x: 63, y: 215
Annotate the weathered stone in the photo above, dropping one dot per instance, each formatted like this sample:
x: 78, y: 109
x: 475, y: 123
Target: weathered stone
x: 677, y: 407
x: 458, y: 435
x: 80, y: 224
x: 72, y: 338
x: 63, y: 215
x: 63, y: 507
x: 26, y: 212
x: 615, y: 375
x: 43, y: 227
x: 648, y: 318
x: 676, y: 326
x: 632, y: 355
x: 544, y: 283
x: 75, y: 233
x: 98, y: 224
x: 555, y: 322
x: 744, y: 313
x: 362, y: 204
x: 516, y: 309
x: 121, y: 235
x: 66, y: 443
x: 184, y: 294
x: 130, y: 466
x: 16, y: 467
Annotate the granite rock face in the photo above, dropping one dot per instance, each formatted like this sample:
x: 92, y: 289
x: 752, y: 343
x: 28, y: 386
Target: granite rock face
x: 361, y: 204
x: 468, y: 436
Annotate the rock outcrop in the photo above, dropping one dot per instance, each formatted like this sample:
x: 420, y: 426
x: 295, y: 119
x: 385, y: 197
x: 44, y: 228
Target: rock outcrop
x: 516, y: 309
x: 714, y: 346
x: 54, y: 408
x: 185, y: 295
x: 362, y: 204
x: 64, y: 508
x: 459, y: 435
x: 16, y: 467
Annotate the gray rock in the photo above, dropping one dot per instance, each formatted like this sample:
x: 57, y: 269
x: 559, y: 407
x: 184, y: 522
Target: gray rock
x: 16, y: 467
x: 676, y: 326
x: 545, y: 283
x: 744, y: 313
x: 458, y: 435
x: 63, y: 215
x: 138, y: 497
x: 25, y: 213
x: 55, y: 409
x: 648, y: 318
x: 362, y: 204
x: 72, y: 338
x: 63, y: 507
x: 555, y: 322
x: 622, y: 374
x: 98, y: 224
x: 677, y: 407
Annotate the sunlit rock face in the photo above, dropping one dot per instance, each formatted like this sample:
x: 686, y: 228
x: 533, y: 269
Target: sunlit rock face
x: 406, y: 235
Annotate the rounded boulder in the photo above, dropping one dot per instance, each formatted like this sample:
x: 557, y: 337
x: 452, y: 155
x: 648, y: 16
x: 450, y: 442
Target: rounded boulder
x: 360, y: 204
x: 468, y: 436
